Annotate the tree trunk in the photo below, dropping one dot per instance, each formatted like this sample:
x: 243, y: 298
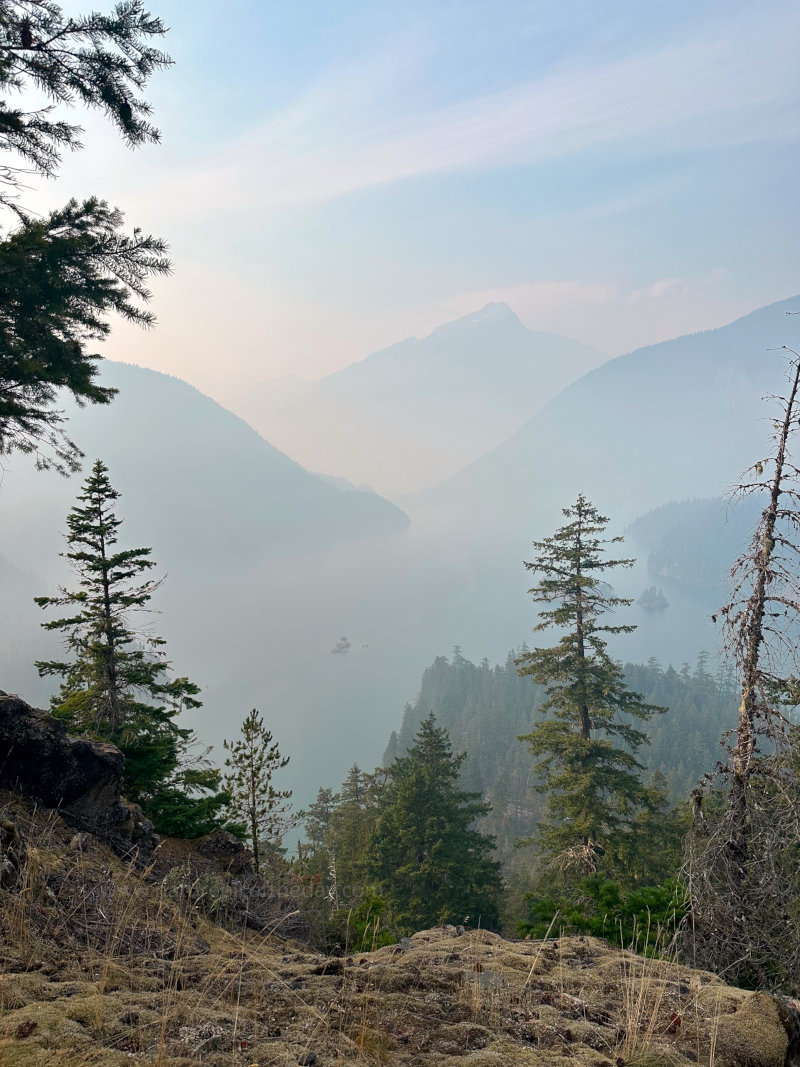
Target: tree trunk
x: 754, y: 637
x: 112, y: 681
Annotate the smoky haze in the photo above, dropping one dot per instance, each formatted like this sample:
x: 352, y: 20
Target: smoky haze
x: 269, y: 565
x: 413, y: 414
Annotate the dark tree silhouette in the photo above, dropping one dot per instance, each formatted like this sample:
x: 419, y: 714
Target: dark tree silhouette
x: 116, y: 683
x: 62, y: 274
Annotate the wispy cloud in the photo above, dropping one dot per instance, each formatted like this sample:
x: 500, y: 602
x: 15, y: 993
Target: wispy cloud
x: 349, y: 132
x: 620, y: 254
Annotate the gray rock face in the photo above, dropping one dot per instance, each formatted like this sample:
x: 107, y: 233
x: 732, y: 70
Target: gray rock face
x: 81, y: 778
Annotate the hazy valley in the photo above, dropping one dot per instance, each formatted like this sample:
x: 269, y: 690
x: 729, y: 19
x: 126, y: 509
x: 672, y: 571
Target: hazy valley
x: 269, y: 565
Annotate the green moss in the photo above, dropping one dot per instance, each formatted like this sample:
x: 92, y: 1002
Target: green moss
x: 652, y: 1058
x: 754, y: 1035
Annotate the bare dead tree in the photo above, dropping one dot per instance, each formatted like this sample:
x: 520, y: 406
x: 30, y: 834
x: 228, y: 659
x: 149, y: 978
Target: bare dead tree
x: 741, y: 870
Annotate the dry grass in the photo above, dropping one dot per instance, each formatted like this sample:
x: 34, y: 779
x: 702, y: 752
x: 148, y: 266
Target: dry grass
x: 114, y: 971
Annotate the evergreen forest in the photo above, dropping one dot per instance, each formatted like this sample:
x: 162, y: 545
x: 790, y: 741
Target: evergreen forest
x: 485, y: 708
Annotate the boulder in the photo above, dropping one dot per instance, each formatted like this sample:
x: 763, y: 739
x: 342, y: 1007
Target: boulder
x: 79, y: 777
x: 226, y: 852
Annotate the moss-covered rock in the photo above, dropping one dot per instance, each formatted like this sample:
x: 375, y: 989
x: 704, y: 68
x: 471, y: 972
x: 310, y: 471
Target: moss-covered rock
x: 753, y: 1036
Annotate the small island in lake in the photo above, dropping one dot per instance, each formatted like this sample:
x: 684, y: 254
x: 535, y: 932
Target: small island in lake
x: 653, y: 599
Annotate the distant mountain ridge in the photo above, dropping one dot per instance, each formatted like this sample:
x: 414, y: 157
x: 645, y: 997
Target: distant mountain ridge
x: 464, y: 347
x: 411, y: 414
x: 676, y: 419
x: 196, y: 479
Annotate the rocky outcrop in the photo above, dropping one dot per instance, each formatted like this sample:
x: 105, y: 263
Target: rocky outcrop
x: 226, y: 852
x: 79, y: 777
x: 441, y: 998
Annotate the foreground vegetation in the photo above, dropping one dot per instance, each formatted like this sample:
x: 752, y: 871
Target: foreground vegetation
x: 104, y: 965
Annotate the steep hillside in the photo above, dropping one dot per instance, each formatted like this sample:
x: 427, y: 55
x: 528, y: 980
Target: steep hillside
x: 198, y: 481
x: 265, y: 562
x: 692, y: 544
x: 662, y: 423
x: 412, y: 414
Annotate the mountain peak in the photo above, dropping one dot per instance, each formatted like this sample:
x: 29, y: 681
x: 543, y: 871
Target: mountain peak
x: 493, y: 310
x: 494, y: 313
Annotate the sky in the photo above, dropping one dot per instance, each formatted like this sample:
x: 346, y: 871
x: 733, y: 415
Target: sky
x: 334, y: 177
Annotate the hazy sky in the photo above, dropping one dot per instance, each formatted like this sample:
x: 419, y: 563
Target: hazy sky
x: 335, y: 176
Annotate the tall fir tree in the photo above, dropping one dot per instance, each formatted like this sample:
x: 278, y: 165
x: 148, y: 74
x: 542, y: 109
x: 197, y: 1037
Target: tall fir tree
x: 253, y: 759
x: 432, y: 863
x: 116, y: 686
x: 594, y: 792
x: 314, y: 852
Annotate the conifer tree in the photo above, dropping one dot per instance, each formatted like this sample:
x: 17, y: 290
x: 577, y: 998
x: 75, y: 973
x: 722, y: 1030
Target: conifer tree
x: 351, y: 826
x: 116, y: 685
x: 318, y: 818
x: 63, y: 272
x: 592, y: 782
x: 315, y: 852
x: 432, y: 864
x: 253, y: 760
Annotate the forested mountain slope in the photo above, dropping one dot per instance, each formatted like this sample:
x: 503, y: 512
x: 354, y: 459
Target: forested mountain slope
x: 486, y: 707
x: 693, y: 543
